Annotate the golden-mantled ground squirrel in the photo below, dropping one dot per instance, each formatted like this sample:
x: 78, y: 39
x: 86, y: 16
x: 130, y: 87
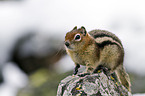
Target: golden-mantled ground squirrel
x: 98, y: 47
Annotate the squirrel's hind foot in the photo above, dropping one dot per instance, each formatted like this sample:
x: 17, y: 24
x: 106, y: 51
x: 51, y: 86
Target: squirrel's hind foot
x: 102, y: 68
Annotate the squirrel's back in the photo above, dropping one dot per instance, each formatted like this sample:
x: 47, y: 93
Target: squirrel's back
x: 110, y: 47
x: 105, y: 36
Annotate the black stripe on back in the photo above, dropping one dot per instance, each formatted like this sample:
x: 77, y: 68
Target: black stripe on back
x: 105, y: 35
x: 101, y: 45
x: 101, y: 35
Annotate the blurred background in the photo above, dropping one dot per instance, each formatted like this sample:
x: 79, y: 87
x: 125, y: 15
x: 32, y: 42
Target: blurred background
x: 32, y: 57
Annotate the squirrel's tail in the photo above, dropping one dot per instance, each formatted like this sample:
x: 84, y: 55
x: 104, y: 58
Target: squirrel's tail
x: 123, y: 77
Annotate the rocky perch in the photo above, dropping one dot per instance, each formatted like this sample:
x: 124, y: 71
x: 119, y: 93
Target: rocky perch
x: 98, y: 84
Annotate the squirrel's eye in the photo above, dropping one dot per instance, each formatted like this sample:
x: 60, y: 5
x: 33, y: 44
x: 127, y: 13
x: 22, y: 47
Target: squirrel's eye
x: 77, y: 37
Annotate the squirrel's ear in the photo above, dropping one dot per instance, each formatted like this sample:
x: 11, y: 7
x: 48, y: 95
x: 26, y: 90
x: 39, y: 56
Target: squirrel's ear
x: 75, y: 28
x: 83, y: 30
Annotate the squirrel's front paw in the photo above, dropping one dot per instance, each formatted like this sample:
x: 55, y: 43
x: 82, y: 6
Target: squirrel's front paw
x: 76, y: 69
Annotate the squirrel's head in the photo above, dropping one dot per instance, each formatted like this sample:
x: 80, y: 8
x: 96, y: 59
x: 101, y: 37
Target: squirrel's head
x: 76, y: 38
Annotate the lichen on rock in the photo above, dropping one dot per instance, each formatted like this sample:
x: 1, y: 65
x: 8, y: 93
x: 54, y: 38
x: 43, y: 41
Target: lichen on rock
x: 91, y: 85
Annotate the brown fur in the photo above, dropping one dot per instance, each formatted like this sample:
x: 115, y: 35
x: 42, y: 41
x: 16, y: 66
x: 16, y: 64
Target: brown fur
x: 106, y: 49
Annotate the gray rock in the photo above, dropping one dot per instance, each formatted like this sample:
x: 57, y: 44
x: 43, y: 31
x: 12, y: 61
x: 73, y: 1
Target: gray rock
x: 98, y: 84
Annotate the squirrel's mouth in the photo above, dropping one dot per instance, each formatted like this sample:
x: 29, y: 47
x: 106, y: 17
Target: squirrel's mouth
x: 69, y: 47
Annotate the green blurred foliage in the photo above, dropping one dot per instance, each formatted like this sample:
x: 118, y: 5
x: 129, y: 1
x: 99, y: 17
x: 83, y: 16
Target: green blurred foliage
x: 43, y: 83
x: 137, y: 83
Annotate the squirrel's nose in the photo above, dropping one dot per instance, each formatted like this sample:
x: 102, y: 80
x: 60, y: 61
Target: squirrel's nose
x: 67, y: 44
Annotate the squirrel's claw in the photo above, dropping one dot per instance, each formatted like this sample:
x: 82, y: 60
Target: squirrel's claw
x: 84, y: 74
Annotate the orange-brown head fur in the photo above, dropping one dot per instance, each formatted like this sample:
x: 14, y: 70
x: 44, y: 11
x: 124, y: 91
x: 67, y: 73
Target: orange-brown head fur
x: 76, y: 44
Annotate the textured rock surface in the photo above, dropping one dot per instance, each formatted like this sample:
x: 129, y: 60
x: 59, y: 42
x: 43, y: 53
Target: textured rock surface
x: 97, y: 84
